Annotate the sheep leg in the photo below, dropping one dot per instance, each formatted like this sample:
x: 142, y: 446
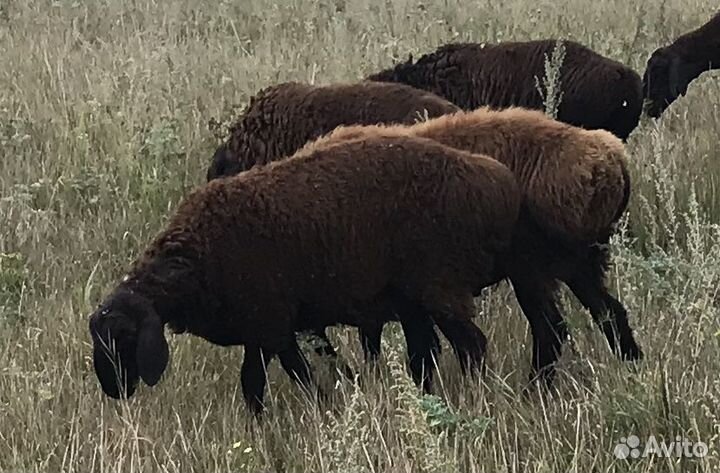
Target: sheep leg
x: 453, y: 313
x: 297, y: 367
x: 253, y: 377
x: 609, y: 314
x: 326, y: 349
x: 370, y: 341
x: 421, y: 343
x: 546, y: 323
x: 467, y: 341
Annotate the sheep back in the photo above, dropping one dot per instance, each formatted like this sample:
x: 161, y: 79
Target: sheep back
x: 331, y: 228
x: 574, y: 181
x: 597, y: 92
x: 281, y: 118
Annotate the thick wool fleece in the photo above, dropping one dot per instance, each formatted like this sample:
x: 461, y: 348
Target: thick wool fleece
x: 598, y: 92
x: 281, y: 118
x: 331, y: 230
x: 575, y: 182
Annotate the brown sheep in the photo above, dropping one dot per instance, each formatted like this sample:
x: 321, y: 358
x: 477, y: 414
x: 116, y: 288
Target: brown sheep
x: 321, y: 238
x: 575, y: 186
x: 670, y: 69
x: 281, y: 118
x: 597, y: 92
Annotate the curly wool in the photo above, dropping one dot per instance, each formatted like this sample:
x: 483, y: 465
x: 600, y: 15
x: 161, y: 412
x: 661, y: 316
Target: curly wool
x: 598, y: 92
x: 575, y: 181
x: 282, y: 118
x: 331, y: 229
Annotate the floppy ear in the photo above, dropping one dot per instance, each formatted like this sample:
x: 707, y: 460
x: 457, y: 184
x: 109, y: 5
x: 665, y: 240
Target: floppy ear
x: 219, y: 163
x: 111, y: 371
x: 674, y: 77
x: 152, y: 353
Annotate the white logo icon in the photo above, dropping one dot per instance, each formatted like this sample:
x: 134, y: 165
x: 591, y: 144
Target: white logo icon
x: 629, y: 447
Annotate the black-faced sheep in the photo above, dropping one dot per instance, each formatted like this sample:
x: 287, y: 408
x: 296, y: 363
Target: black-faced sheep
x: 597, y: 92
x: 575, y: 188
x: 281, y: 118
x: 314, y: 240
x: 670, y: 69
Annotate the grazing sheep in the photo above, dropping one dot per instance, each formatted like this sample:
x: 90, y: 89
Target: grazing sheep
x: 597, y: 92
x: 322, y: 238
x: 670, y: 69
x: 280, y: 119
x: 575, y: 188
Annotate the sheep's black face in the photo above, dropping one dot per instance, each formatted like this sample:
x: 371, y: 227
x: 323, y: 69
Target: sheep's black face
x: 666, y: 78
x: 222, y: 164
x: 656, y: 86
x: 128, y: 344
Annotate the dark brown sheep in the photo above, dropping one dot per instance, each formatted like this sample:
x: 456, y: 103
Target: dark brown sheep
x: 575, y: 186
x: 281, y: 118
x: 325, y: 237
x: 597, y: 92
x: 670, y: 69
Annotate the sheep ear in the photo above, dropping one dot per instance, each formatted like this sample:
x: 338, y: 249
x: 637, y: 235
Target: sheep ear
x: 117, y: 381
x: 152, y: 353
x: 105, y: 373
x: 674, y: 81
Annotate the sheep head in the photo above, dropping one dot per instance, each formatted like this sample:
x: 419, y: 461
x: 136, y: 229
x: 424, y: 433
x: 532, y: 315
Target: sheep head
x: 223, y: 164
x: 128, y: 344
x: 666, y: 78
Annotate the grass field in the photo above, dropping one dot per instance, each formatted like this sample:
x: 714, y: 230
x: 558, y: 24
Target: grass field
x: 109, y: 112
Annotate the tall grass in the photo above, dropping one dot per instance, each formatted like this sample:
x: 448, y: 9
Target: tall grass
x: 551, y: 88
x: 109, y: 112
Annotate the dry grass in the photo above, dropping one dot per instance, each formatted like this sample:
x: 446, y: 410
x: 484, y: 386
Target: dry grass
x: 104, y: 112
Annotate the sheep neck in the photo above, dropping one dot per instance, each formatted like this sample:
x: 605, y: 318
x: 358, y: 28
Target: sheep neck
x: 701, y: 46
x: 171, y: 285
